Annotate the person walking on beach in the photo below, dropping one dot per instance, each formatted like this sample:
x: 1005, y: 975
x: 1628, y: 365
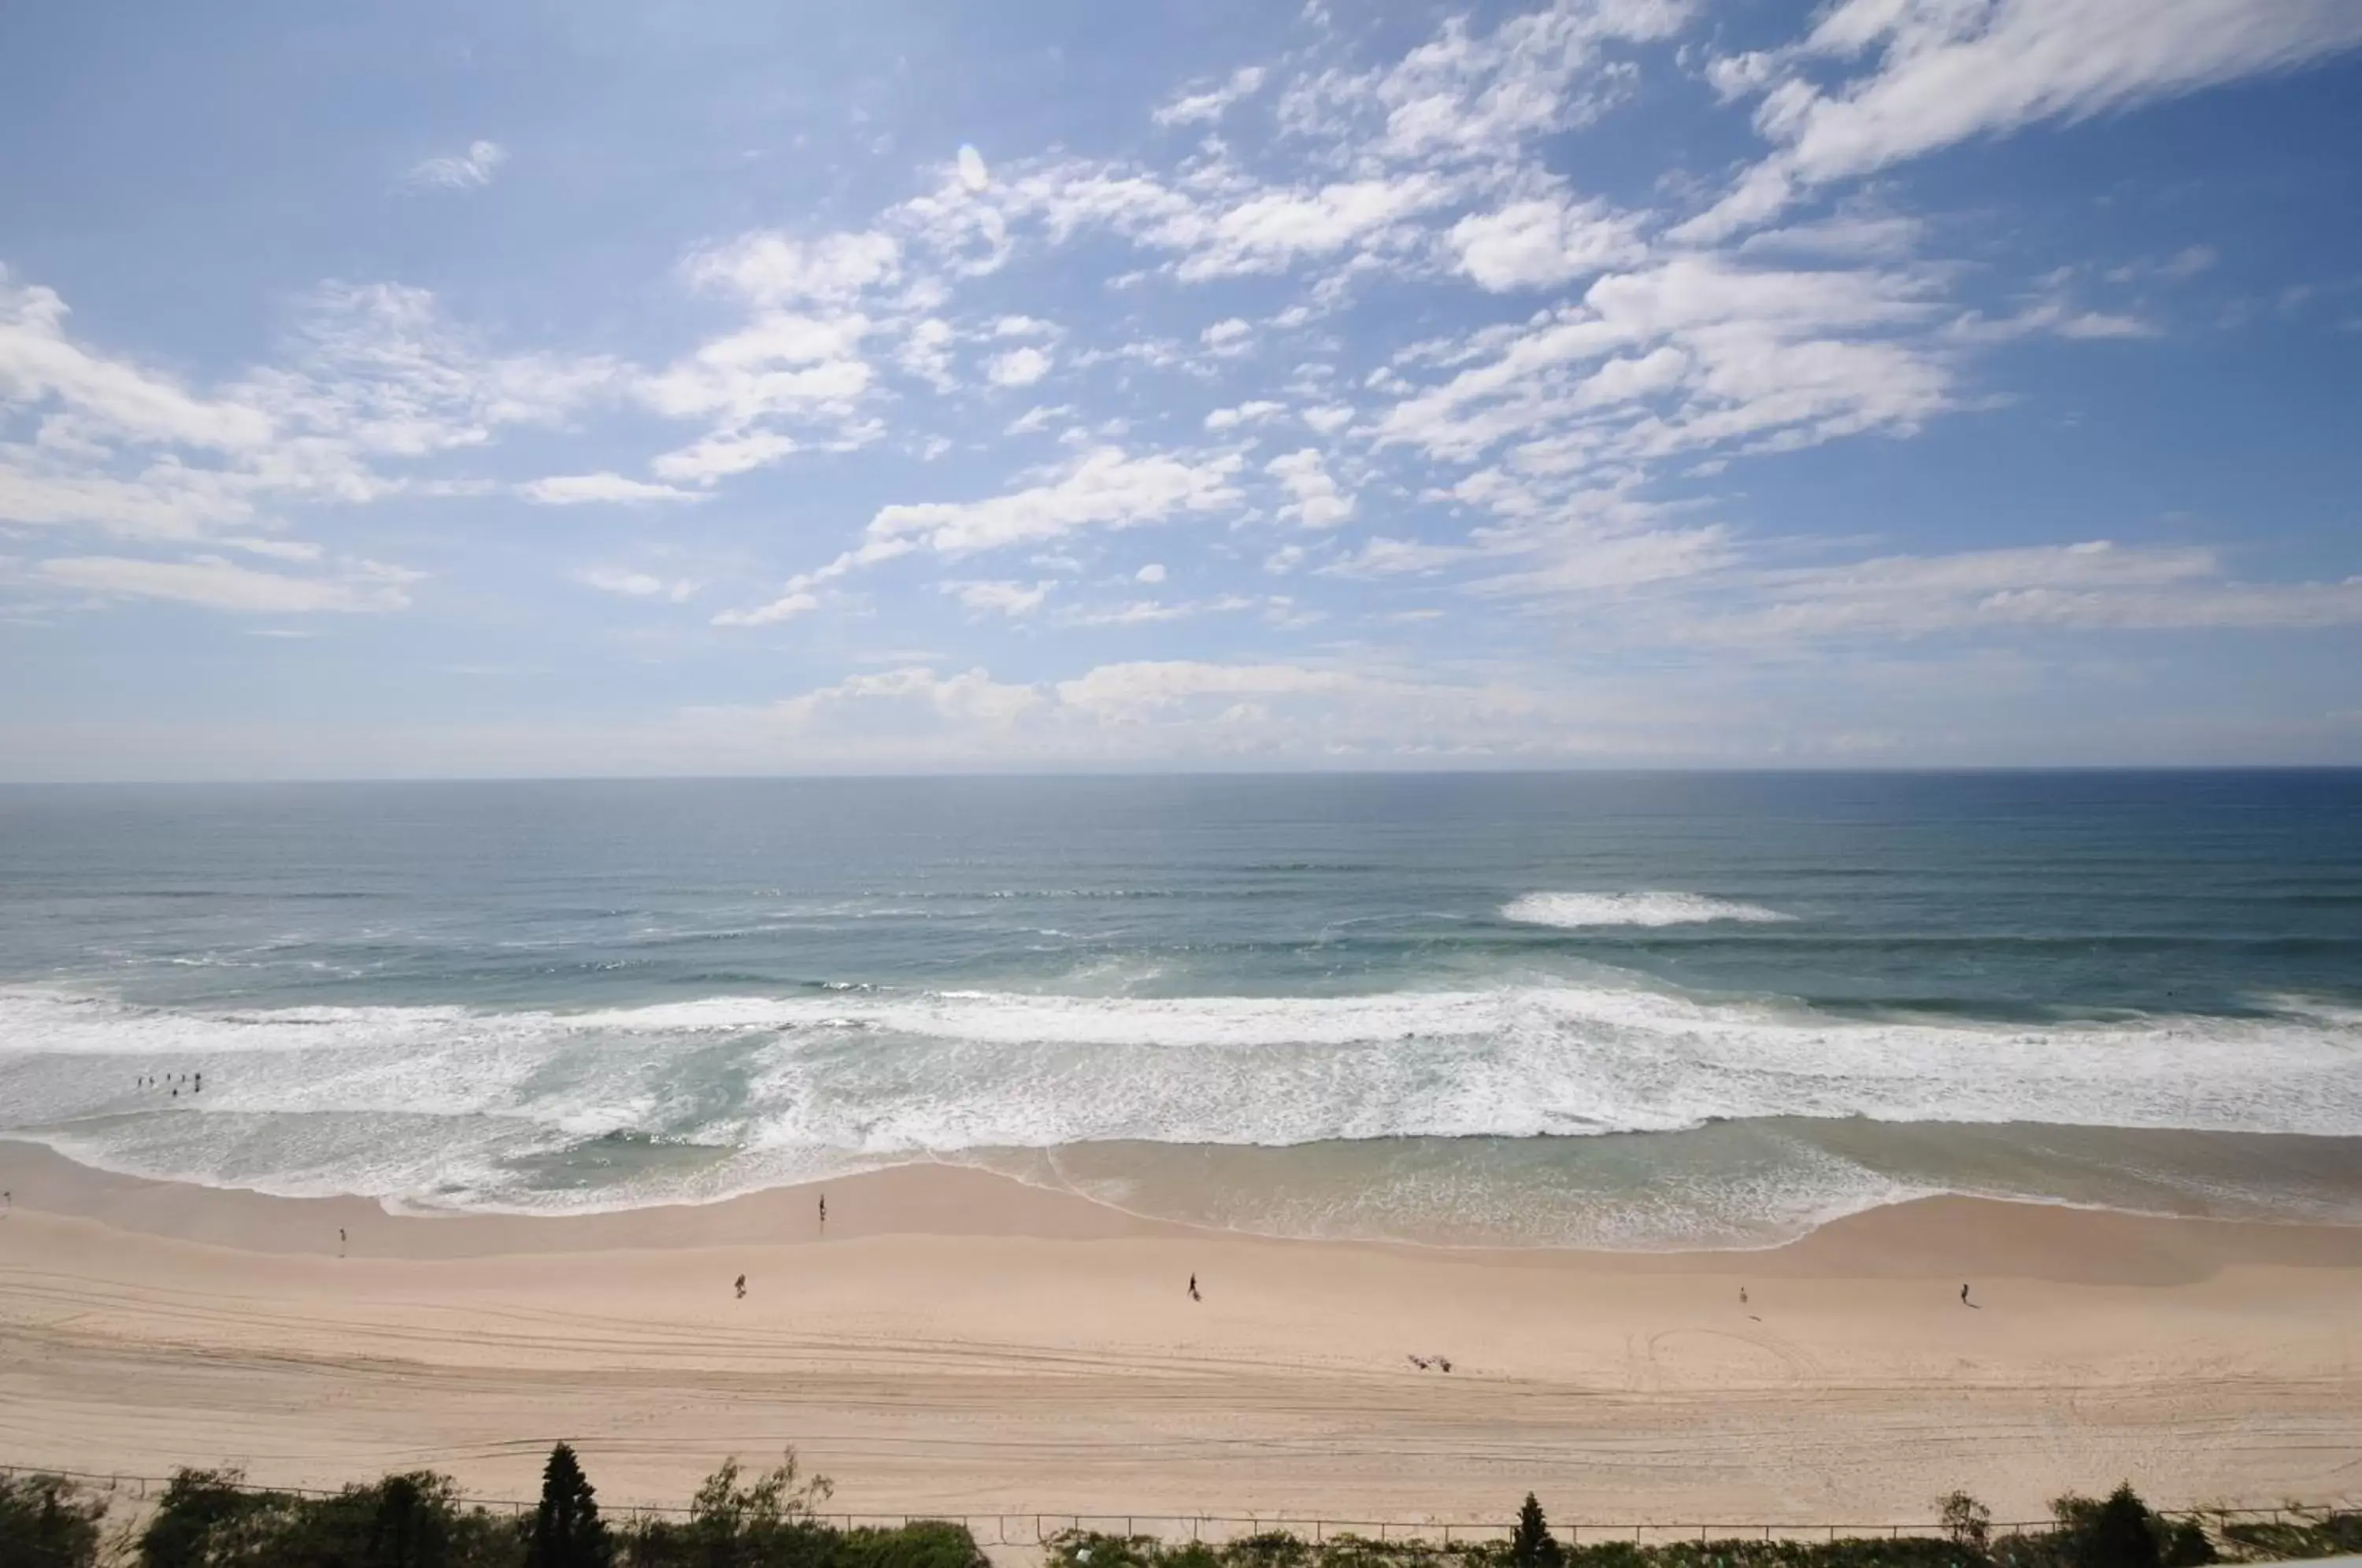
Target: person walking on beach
x: 742, y: 1288
x: 824, y: 1211
x: 340, y: 1241
x: 1193, y: 1289
x: 1964, y: 1296
x: 1742, y: 1296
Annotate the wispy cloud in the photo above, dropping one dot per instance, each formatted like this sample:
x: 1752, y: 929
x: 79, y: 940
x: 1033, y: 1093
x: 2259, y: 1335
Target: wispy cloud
x: 463, y: 172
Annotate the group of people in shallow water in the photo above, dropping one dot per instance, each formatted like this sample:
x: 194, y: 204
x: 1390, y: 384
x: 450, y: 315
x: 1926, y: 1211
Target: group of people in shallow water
x: 193, y: 1082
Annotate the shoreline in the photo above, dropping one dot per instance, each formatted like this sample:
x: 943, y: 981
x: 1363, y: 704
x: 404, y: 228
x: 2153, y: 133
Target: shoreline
x: 959, y: 1341
x: 945, y: 1199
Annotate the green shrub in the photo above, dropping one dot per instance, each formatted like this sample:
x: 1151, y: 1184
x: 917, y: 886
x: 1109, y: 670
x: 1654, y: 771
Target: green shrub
x: 415, y: 1521
x: 199, y: 1509
x: 2118, y: 1533
x: 1968, y: 1523
x: 46, y: 1521
x: 921, y: 1543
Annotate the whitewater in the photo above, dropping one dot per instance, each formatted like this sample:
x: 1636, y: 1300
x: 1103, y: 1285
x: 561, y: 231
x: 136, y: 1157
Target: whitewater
x: 1522, y: 1011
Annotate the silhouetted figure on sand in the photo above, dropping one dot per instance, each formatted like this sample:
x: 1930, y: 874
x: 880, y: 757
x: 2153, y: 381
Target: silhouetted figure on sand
x: 742, y: 1288
x: 340, y: 1241
x: 1193, y: 1289
x: 824, y: 1211
x: 1742, y: 1296
x: 1964, y: 1296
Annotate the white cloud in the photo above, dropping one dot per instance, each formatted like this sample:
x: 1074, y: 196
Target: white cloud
x: 2093, y: 586
x: 1103, y: 488
x: 373, y: 376
x: 971, y: 697
x: 1242, y: 414
x: 635, y: 584
x: 1153, y: 572
x: 1318, y: 502
x: 769, y: 268
x: 576, y: 490
x: 1154, y: 612
x: 1024, y: 326
x: 786, y: 607
x: 218, y: 584
x: 1946, y: 72
x: 1035, y: 420
x: 1228, y: 337
x: 723, y: 453
x: 1010, y: 599
x: 973, y: 176
x: 1206, y: 106
x: 1271, y: 231
x: 1474, y: 98
x: 472, y: 168
x: 1693, y: 352
x: 1018, y: 368
x: 1383, y: 556
x: 1543, y: 242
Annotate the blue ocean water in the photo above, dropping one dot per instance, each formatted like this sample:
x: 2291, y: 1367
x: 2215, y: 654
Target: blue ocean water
x: 1606, y: 1009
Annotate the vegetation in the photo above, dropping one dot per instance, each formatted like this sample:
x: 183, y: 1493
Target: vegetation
x: 567, y: 1530
x: 45, y: 1522
x: 770, y: 1519
x: 1530, y: 1545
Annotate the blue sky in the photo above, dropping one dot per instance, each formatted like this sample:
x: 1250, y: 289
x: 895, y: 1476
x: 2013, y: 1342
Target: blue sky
x: 597, y: 389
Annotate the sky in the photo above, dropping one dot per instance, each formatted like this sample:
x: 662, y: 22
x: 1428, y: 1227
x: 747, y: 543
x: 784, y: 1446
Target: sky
x: 455, y: 389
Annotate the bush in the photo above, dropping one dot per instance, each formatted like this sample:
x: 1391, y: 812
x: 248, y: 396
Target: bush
x: 415, y: 1521
x: 768, y: 1523
x: 2118, y: 1533
x: 921, y: 1543
x: 199, y: 1509
x: 1968, y: 1523
x: 46, y: 1521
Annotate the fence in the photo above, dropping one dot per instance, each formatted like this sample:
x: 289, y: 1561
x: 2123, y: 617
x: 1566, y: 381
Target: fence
x: 1017, y: 1530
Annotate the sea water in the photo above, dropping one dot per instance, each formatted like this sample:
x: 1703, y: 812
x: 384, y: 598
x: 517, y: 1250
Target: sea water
x: 1524, y: 1010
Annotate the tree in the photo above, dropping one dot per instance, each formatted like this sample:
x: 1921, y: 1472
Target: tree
x: 567, y: 1530
x: 1532, y: 1546
x: 1966, y: 1521
x: 2117, y: 1533
x: 46, y: 1522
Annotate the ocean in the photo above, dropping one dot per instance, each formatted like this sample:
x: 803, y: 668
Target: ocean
x: 1587, y: 1009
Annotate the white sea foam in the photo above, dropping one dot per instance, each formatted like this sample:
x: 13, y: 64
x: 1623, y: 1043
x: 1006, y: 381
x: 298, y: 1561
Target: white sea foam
x: 1575, y: 910
x: 887, y: 1072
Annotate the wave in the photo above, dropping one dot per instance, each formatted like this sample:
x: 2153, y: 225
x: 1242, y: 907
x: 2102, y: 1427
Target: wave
x: 1575, y: 910
x: 939, y: 1070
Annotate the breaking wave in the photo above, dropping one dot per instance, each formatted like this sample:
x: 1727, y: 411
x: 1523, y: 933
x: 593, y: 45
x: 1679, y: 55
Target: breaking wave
x: 1576, y: 910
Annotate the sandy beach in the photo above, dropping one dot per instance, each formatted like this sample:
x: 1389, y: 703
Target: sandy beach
x: 956, y: 1341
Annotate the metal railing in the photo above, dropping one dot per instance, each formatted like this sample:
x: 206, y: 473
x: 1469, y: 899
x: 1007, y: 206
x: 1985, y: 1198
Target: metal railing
x: 1036, y: 1529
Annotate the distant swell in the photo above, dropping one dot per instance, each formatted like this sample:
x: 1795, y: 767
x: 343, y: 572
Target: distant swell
x: 1580, y: 909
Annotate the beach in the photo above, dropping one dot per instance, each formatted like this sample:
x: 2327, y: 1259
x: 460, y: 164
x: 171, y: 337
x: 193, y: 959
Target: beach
x: 957, y: 1342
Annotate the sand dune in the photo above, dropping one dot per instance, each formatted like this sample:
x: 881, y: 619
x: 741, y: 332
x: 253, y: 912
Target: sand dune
x: 960, y: 1344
